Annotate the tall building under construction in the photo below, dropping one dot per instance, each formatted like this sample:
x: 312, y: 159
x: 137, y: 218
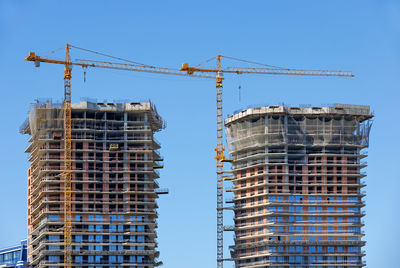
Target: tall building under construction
x: 297, y: 185
x: 114, y: 187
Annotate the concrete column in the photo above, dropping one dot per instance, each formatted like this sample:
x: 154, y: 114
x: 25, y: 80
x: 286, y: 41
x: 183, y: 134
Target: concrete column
x: 125, y: 134
x: 286, y: 168
x: 266, y: 151
x: 323, y: 134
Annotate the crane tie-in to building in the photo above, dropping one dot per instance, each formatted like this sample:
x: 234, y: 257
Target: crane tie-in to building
x: 186, y: 70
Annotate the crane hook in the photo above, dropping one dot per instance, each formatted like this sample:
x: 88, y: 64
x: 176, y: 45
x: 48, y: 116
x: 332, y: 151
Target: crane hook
x: 84, y: 73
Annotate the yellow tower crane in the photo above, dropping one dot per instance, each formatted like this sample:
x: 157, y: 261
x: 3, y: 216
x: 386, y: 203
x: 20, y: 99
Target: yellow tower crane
x: 219, y: 149
x: 67, y: 172
x: 185, y: 70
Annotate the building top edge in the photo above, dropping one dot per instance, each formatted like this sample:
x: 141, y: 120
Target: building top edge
x: 145, y: 107
x: 335, y: 110
x: 101, y: 106
x: 13, y: 248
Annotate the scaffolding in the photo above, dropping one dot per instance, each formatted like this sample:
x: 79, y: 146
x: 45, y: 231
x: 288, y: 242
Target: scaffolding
x: 302, y: 126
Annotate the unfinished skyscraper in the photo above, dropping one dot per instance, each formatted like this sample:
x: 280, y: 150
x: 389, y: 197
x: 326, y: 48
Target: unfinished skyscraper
x: 297, y: 185
x: 114, y: 187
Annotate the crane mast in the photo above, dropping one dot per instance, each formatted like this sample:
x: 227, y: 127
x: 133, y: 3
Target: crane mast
x: 219, y: 156
x: 67, y: 158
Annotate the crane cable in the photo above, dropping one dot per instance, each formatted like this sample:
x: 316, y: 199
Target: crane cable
x: 257, y: 63
x: 210, y: 59
x: 117, y: 58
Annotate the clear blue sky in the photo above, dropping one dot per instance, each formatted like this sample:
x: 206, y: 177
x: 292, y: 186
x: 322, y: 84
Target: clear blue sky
x: 362, y: 36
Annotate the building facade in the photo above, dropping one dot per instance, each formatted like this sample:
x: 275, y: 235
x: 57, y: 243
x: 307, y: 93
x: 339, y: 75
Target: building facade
x: 297, y: 185
x: 14, y: 256
x: 114, y: 184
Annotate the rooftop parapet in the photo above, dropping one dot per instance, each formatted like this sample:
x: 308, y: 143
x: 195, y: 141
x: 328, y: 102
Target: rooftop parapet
x: 362, y: 111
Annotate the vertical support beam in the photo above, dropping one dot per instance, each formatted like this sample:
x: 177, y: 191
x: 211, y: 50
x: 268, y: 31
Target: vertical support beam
x: 267, y: 132
x: 286, y: 167
x: 67, y: 159
x: 219, y: 149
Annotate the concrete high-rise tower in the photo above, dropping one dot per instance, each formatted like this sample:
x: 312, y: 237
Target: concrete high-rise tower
x: 114, y: 187
x: 297, y: 185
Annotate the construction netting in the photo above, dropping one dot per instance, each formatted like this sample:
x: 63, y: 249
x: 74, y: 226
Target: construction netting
x: 46, y: 115
x: 302, y: 130
x: 246, y: 133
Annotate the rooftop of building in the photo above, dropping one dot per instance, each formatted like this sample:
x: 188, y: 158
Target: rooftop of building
x: 14, y: 256
x: 13, y: 248
x: 95, y: 105
x: 362, y: 111
x: 41, y: 106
